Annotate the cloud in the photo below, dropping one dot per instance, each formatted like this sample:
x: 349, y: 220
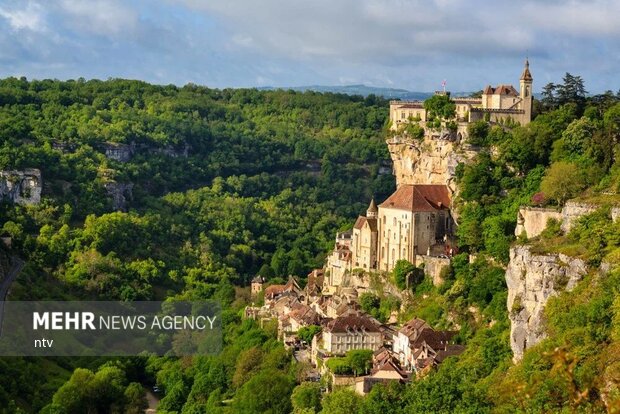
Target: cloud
x: 28, y: 18
x: 401, y: 43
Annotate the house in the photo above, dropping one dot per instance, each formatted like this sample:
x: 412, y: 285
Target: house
x: 297, y: 317
x: 386, y: 369
x: 352, y: 330
x: 417, y: 344
x: 274, y: 292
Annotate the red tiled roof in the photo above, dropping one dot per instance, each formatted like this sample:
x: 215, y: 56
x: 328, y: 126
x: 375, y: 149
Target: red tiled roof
x: 418, y: 197
x: 352, y: 322
x: 361, y: 220
x: 501, y: 90
x: 274, y: 290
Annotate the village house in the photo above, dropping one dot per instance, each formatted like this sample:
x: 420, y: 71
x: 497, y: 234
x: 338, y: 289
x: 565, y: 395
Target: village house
x: 352, y: 330
x: 386, y: 368
x: 417, y: 344
x: 275, y: 292
x: 339, y: 261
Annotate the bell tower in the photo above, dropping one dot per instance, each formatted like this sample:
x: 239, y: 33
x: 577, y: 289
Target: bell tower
x: 525, y: 90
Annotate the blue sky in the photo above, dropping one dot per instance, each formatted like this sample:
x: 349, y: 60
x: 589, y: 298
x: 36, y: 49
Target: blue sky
x: 412, y: 44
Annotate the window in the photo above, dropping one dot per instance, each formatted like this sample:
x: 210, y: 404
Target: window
x: 402, y: 115
x: 394, y: 221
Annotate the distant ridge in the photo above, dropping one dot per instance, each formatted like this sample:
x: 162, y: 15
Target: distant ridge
x: 363, y: 90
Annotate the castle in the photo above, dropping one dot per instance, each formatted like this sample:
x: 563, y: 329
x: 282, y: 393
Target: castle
x: 499, y: 104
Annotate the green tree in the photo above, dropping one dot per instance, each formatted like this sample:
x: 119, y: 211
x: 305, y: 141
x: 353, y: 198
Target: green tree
x: 306, y: 333
x: 562, y: 181
x: 307, y: 396
x: 268, y: 392
x: 135, y: 399
x: 402, y: 271
x: 341, y: 401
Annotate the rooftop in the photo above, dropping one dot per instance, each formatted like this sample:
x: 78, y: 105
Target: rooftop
x: 418, y: 197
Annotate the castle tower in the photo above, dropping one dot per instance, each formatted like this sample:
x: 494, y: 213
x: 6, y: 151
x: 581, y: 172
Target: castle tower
x: 525, y: 89
x: 257, y: 285
x: 372, y: 210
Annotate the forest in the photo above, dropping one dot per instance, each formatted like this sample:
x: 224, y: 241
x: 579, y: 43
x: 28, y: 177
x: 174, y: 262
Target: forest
x: 232, y: 183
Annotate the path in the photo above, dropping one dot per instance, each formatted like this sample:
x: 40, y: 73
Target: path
x: 153, y: 401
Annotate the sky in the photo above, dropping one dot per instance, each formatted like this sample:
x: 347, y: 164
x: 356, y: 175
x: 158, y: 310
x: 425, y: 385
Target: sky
x: 409, y: 44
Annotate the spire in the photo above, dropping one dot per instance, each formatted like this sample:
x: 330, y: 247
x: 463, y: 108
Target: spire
x: 372, y: 209
x: 526, y: 75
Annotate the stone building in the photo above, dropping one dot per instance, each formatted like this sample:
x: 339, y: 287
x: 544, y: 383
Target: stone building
x: 502, y: 103
x: 414, y: 220
x: 364, y: 239
x: 257, y: 285
x: 353, y: 330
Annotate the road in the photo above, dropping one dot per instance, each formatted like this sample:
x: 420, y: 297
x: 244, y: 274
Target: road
x: 153, y: 401
x: 5, y: 285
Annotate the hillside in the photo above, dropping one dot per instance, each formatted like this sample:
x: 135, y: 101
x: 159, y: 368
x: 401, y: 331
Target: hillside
x: 151, y: 192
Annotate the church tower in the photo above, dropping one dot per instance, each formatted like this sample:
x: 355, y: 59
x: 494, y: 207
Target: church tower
x: 372, y: 210
x: 525, y: 84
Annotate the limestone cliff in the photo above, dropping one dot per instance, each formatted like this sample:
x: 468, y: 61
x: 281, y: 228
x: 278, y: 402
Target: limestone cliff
x: 119, y: 193
x: 532, y: 279
x: 21, y: 187
x: 430, y: 161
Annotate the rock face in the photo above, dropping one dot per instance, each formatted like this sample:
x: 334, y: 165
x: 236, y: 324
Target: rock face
x: 118, y: 152
x: 532, y: 279
x: 431, y: 161
x: 21, y: 187
x: 572, y: 210
x: 120, y: 194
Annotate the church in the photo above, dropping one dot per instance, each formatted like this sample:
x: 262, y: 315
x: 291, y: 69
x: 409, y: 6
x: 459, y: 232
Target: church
x: 414, y: 220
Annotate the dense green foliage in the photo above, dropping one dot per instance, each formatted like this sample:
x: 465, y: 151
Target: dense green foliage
x: 267, y: 180
x: 226, y: 183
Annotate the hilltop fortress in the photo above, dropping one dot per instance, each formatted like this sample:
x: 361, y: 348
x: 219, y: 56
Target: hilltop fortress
x: 500, y: 104
x: 416, y: 223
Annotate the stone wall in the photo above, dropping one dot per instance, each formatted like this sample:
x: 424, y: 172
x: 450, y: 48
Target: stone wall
x: 532, y: 279
x: 21, y: 187
x: 533, y: 220
x: 433, y: 266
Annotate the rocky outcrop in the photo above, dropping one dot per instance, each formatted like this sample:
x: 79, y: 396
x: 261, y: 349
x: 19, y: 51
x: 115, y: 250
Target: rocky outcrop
x: 532, y: 279
x: 531, y: 221
x: 428, y: 161
x: 118, y: 152
x: 573, y: 210
x: 120, y: 194
x: 21, y: 187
